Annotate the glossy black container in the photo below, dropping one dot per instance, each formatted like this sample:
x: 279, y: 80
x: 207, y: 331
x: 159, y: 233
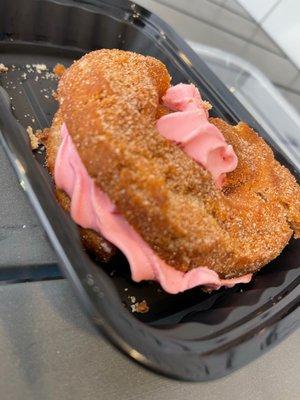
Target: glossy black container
x: 191, y: 336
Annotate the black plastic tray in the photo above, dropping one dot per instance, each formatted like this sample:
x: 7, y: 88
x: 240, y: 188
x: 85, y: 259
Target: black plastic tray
x: 191, y: 336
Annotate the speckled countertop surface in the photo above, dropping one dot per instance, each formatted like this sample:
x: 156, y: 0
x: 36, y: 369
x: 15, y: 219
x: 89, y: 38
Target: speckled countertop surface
x: 49, y: 350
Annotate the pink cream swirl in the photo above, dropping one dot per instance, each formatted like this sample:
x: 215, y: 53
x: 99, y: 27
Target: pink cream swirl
x: 190, y: 128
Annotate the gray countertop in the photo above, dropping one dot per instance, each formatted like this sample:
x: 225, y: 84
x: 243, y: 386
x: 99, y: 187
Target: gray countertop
x: 225, y: 25
x: 49, y: 350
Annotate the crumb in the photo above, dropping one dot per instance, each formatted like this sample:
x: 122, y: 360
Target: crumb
x: 24, y: 75
x: 59, y: 69
x: 207, y: 105
x: 49, y: 75
x: 141, y: 307
x: 3, y: 68
x: 39, y: 133
x: 29, y: 68
x: 36, y: 78
x: 46, y: 96
x: 133, y: 308
x: 40, y: 67
x: 126, y: 289
x: 42, y: 135
x: 132, y: 299
x: 34, y: 141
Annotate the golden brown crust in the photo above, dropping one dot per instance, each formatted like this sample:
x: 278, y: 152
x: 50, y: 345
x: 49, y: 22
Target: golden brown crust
x: 109, y: 100
x: 259, y: 173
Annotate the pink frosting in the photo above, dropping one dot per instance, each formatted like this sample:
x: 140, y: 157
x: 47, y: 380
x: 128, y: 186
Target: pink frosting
x: 189, y: 127
x: 91, y: 208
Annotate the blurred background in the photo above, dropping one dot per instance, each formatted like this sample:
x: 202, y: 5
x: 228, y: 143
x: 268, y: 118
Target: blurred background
x: 266, y: 33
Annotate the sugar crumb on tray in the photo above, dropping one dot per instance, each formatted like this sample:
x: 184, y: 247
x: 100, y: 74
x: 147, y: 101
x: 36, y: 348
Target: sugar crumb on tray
x: 59, y: 69
x: 3, y: 68
x: 34, y: 140
x: 140, y: 307
x: 207, y: 105
x: 132, y: 299
x: 40, y: 67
